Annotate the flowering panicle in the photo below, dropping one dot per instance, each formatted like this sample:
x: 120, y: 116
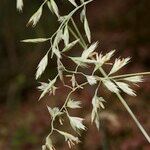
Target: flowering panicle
x: 61, y: 42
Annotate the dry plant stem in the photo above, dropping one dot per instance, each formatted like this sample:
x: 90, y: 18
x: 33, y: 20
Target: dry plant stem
x: 133, y: 116
x: 124, y: 102
x: 128, y: 109
x: 129, y: 75
x: 73, y: 33
x: 85, y: 46
x: 75, y: 72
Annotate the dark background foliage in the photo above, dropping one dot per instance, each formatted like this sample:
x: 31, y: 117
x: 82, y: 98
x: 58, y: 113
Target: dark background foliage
x: 120, y: 25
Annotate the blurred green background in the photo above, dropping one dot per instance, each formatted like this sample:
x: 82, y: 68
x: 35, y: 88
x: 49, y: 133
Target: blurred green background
x: 25, y: 122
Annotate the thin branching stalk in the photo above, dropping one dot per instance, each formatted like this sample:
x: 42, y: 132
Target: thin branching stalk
x: 74, y: 34
x: 79, y: 34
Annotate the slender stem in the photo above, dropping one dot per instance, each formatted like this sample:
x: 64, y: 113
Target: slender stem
x: 75, y: 72
x: 98, y: 87
x: 76, y: 28
x: 44, y: 3
x: 129, y: 75
x: 68, y: 96
x: 77, y: 68
x: 52, y: 127
x: 133, y: 116
x: 128, y: 109
x: 73, y: 33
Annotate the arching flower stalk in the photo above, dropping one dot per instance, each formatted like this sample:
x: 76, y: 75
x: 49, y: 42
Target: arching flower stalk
x: 89, y: 57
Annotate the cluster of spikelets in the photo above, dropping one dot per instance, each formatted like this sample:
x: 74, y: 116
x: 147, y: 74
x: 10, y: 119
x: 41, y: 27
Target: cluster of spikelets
x: 89, y: 56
